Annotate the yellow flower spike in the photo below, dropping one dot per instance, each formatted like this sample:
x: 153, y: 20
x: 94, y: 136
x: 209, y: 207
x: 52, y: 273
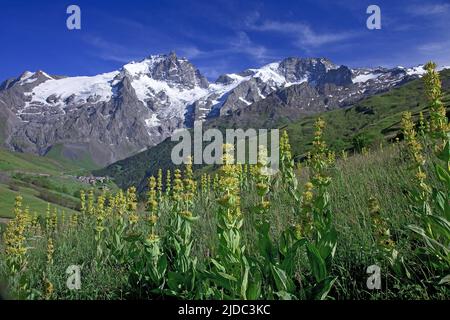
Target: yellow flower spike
x: 298, y: 231
x: 374, y: 207
x: 160, y: 184
x: 168, y: 183
x: 152, y: 203
x: 90, y: 203
x: 53, y: 223
x: 48, y: 289
x: 415, y: 151
x: 438, y: 119
x: 131, y: 200
x: 50, y: 251
x: 189, y: 183
x: 74, y: 220
x: 177, y: 186
x: 153, y: 219
x: 15, y: 240
x: 83, y: 202
x: 380, y: 229
x: 133, y: 218
x: 318, y: 159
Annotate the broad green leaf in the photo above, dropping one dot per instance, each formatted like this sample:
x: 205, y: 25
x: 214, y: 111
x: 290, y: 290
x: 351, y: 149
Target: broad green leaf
x: 317, y: 263
x: 282, y: 282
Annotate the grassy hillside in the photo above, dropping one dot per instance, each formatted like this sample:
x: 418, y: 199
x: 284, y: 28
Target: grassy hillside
x: 370, y: 122
x: 374, y: 120
x: 384, y: 175
x: 83, y: 160
x: 40, y: 180
x: 14, y: 161
x: 30, y: 198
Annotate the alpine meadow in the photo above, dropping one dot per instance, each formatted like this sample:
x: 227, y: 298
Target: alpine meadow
x: 225, y: 159
x: 233, y: 232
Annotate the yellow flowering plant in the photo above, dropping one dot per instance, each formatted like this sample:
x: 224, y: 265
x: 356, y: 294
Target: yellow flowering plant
x: 432, y: 204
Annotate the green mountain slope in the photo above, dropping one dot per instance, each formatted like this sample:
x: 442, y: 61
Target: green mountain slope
x: 40, y: 180
x: 370, y: 122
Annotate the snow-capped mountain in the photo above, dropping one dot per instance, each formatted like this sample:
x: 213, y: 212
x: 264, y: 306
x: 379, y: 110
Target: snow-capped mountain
x: 113, y: 115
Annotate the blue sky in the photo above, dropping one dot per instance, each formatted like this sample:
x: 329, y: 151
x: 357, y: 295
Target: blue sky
x: 218, y: 36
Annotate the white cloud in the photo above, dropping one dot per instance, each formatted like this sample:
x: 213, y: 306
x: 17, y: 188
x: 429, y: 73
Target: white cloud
x: 305, y: 37
x: 190, y: 52
x: 240, y: 43
x: 435, y: 47
x: 243, y: 44
x: 429, y: 9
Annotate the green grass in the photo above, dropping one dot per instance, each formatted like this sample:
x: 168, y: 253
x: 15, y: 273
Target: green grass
x: 84, y: 161
x: 14, y: 161
x: 382, y: 174
x: 30, y: 199
x: 40, y: 178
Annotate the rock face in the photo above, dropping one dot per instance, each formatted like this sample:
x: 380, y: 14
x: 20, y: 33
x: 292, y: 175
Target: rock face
x: 114, y: 115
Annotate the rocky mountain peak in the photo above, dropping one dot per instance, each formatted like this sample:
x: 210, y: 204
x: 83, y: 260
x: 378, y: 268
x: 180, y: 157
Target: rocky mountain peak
x: 295, y: 69
x: 169, y: 68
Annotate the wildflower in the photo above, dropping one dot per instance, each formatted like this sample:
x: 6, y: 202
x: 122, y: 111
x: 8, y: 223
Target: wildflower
x: 48, y: 289
x: 318, y: 156
x: 331, y: 158
x: 152, y: 219
x: 189, y: 183
x: 262, y: 180
x: 152, y: 204
x: 120, y: 203
x: 422, y: 124
x: 229, y: 184
x: 34, y: 223
x: 177, y: 186
x: 307, y: 197
x: 74, y: 220
x: 438, y: 120
x: 203, y: 184
x: 380, y: 229
x: 54, y: 220
x: 15, y: 240
x: 287, y: 163
x: 83, y: 202
x: 160, y: 184
x: 50, y: 251
x: 415, y: 151
x: 133, y: 218
x: 298, y: 232
x: 90, y: 202
x: 186, y: 214
x: 152, y: 238
x: 216, y: 182
x: 131, y: 200
x: 168, y: 182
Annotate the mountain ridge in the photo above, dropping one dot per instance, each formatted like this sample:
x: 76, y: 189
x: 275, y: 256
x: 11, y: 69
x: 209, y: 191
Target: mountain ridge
x: 374, y: 120
x: 114, y: 115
